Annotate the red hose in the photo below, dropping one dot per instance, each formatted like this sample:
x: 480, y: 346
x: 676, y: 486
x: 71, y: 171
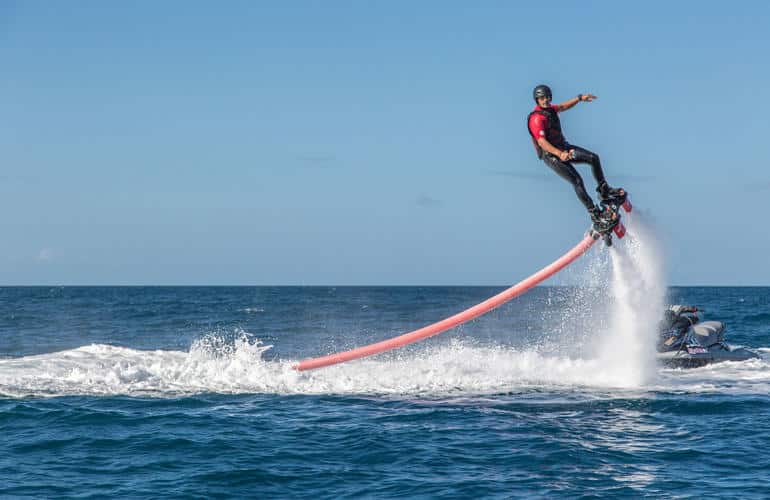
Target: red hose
x: 452, y: 321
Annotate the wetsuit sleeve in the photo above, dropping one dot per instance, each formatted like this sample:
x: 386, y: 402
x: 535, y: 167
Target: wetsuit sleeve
x: 537, y: 126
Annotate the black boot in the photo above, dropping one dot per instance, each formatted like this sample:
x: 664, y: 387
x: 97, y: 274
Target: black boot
x: 609, y: 194
x: 603, y: 220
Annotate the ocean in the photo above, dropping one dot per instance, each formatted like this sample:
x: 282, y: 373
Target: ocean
x: 189, y: 392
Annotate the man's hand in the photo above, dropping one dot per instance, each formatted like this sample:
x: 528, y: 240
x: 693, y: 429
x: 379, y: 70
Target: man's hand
x: 587, y: 97
x: 567, y: 155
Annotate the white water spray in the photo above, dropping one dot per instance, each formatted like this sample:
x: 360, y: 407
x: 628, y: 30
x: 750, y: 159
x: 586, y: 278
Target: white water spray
x: 638, y: 289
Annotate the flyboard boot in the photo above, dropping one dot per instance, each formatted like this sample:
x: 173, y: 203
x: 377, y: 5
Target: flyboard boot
x: 614, y: 197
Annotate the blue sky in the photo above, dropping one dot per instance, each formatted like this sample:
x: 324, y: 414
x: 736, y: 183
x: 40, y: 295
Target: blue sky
x: 371, y: 142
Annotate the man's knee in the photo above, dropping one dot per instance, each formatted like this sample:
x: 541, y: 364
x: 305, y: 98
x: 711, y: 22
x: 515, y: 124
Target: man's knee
x: 589, y: 156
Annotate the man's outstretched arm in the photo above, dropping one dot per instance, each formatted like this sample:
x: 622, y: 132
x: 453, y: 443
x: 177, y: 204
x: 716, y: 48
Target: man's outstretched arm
x: 568, y: 104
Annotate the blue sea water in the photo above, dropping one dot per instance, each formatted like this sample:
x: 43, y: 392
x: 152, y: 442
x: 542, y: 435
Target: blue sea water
x: 147, y: 392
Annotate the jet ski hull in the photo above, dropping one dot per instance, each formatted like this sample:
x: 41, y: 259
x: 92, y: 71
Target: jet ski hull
x: 702, y: 356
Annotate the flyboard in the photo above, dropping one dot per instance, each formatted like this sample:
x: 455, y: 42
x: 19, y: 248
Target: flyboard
x: 611, y: 207
x: 491, y: 303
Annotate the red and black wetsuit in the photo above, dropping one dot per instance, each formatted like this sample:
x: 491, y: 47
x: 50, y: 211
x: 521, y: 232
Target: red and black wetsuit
x: 544, y: 123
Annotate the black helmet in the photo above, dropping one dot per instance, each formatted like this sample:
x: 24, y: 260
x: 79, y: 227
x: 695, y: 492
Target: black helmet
x: 541, y: 91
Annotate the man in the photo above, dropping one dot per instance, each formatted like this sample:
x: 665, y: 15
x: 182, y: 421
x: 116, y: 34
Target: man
x: 677, y: 320
x: 551, y: 146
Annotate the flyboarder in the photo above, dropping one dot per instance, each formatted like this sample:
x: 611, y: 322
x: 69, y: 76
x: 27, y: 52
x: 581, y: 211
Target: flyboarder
x: 551, y: 146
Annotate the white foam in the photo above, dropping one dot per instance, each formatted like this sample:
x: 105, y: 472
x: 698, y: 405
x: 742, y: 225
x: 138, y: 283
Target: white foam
x: 252, y: 310
x: 214, y: 366
x: 740, y: 377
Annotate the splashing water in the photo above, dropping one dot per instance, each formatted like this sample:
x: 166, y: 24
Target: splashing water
x: 638, y: 288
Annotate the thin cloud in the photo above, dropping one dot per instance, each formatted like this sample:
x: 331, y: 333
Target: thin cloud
x: 318, y: 160
x: 45, y: 255
x: 425, y: 201
x: 632, y: 179
x: 756, y: 187
x: 16, y: 179
x: 547, y: 176
x: 525, y: 176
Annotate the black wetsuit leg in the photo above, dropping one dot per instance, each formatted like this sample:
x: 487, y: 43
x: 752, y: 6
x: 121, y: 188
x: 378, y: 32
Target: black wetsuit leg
x: 583, y: 155
x: 566, y: 171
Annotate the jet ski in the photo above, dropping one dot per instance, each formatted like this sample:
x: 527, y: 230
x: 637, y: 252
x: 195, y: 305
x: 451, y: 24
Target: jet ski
x: 687, y: 342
